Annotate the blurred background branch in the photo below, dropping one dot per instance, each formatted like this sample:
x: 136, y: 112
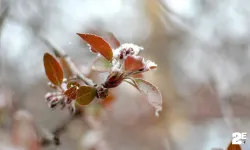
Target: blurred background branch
x: 194, y: 42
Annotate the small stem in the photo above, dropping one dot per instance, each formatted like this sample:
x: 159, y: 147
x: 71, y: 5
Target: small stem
x: 72, y: 67
x: 133, y: 83
x: 54, y: 135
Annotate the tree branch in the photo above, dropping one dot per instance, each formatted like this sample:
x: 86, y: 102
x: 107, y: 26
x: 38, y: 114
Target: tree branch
x: 71, y: 66
x: 53, y: 137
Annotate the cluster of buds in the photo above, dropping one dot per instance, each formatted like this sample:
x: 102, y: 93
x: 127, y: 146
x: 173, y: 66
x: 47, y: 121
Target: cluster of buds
x: 64, y: 96
x: 126, y: 64
x: 127, y: 49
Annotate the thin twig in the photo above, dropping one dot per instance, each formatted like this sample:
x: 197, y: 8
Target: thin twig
x: 3, y: 16
x: 73, y: 70
x: 60, y: 129
x: 61, y: 54
x: 53, y: 137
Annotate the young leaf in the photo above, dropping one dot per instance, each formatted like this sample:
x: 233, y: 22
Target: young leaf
x: 133, y: 63
x: 233, y: 146
x: 153, y: 94
x: 99, y: 44
x: 53, y: 69
x: 71, y: 92
x: 101, y: 64
x: 85, y: 94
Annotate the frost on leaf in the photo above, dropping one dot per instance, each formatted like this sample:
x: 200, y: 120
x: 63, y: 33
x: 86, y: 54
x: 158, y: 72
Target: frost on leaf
x: 101, y: 64
x: 134, y: 63
x: 149, y: 65
x: 98, y: 44
x: 85, y: 94
x: 153, y: 94
x: 53, y: 69
x: 233, y: 146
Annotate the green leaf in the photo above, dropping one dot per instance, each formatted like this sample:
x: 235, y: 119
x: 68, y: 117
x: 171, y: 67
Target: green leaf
x: 85, y: 94
x: 101, y: 64
x: 98, y: 44
x: 152, y: 93
x: 53, y: 69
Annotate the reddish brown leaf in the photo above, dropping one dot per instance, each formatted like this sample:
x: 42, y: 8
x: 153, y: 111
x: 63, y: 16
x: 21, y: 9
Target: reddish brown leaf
x: 71, y: 92
x: 114, y: 42
x: 93, y: 50
x: 53, y: 69
x: 85, y: 94
x: 98, y: 44
x: 133, y: 63
x: 233, y: 146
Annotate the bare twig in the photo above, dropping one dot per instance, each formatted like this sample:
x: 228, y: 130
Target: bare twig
x: 53, y: 137
x: 3, y: 16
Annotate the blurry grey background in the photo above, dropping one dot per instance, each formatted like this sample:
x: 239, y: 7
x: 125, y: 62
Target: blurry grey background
x: 200, y: 46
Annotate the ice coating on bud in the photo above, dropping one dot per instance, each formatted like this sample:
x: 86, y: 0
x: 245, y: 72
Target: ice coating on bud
x: 149, y: 65
x: 114, y: 79
x: 102, y: 92
x: 127, y: 49
x: 61, y: 98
